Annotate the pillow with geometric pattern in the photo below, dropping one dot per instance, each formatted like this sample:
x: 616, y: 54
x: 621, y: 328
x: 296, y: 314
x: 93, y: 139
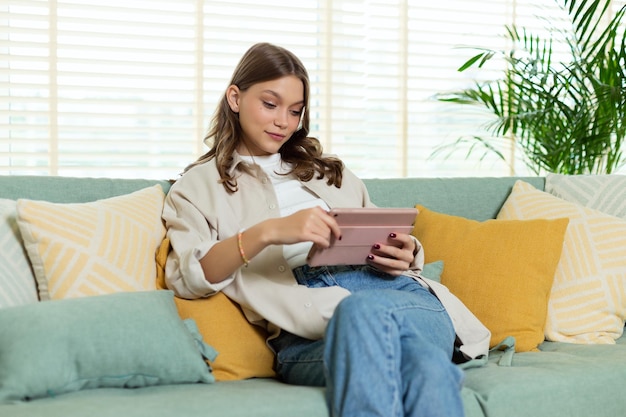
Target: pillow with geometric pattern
x: 94, y: 248
x: 17, y: 281
x: 606, y: 193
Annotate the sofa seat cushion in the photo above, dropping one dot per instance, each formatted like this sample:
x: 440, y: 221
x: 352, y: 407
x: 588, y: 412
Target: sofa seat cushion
x: 562, y: 379
x: 264, y: 397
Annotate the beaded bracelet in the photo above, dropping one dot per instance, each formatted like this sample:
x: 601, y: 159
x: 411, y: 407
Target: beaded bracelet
x: 240, y: 245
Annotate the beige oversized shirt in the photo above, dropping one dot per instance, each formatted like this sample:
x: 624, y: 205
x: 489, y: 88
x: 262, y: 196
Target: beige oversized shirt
x: 198, y: 213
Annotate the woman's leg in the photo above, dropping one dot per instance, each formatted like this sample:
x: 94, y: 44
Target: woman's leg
x: 299, y: 361
x: 388, y: 354
x: 387, y: 349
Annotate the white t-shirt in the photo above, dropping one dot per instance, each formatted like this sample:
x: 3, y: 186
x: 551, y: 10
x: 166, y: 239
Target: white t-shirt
x: 292, y: 197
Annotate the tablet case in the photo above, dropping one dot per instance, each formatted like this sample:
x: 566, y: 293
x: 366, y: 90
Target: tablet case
x: 361, y: 228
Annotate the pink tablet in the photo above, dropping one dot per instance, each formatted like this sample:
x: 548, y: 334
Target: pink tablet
x: 360, y: 229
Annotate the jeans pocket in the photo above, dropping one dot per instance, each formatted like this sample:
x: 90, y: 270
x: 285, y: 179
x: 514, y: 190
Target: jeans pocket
x: 378, y: 273
x: 318, y: 277
x: 321, y: 280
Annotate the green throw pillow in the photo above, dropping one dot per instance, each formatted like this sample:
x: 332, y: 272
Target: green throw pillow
x: 121, y: 340
x: 433, y: 270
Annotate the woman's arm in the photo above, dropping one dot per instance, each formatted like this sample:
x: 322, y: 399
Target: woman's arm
x: 308, y: 225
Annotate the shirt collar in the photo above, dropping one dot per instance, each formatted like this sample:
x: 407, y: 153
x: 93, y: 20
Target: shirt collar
x: 237, y: 159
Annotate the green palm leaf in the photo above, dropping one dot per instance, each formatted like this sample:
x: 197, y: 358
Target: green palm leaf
x: 567, y: 116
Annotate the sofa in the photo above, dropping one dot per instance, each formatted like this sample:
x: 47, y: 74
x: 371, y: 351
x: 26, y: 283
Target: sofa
x: 537, y: 365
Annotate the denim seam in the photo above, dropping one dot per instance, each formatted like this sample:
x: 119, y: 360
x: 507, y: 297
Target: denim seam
x: 281, y: 362
x: 394, y: 372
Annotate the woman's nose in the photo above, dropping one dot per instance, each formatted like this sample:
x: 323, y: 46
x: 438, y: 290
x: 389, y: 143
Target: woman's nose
x: 281, y: 120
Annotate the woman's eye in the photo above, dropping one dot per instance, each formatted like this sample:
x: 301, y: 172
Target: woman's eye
x: 269, y: 105
x: 296, y: 113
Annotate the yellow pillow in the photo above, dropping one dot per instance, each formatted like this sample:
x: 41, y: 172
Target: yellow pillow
x: 241, y: 347
x: 501, y: 270
x: 587, y: 303
x: 100, y: 247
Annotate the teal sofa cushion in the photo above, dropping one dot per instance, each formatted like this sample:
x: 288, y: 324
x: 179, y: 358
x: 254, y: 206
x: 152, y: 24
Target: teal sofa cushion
x: 71, y: 189
x: 474, y: 198
x: 130, y: 340
x: 562, y: 379
x: 261, y: 397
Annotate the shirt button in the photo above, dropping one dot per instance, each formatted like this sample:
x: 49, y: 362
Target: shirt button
x: 281, y: 268
x: 308, y: 305
x: 272, y: 206
x: 264, y: 180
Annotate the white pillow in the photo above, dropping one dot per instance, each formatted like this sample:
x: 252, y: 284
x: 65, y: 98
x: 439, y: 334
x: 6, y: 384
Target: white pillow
x: 606, y: 193
x: 17, y: 281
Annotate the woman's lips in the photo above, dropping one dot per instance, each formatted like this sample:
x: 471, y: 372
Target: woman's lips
x: 276, y: 136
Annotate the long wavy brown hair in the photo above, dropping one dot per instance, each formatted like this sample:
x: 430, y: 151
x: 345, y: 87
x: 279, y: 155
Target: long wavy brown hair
x: 267, y: 62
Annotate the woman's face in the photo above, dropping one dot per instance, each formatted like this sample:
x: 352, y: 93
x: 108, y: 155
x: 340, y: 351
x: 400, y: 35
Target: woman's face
x: 269, y: 113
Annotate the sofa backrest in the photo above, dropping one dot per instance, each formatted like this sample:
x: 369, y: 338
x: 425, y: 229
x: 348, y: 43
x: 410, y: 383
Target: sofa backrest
x: 70, y: 189
x: 477, y: 198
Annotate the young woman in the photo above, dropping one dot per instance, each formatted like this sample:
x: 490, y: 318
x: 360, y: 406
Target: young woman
x: 241, y: 220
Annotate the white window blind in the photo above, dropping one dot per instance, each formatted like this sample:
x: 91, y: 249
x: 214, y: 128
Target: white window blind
x: 127, y: 88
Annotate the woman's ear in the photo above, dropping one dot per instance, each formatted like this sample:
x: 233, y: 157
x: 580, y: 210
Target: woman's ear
x: 232, y: 96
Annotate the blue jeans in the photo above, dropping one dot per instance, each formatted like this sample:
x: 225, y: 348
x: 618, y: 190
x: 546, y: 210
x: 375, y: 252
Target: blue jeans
x: 387, y: 349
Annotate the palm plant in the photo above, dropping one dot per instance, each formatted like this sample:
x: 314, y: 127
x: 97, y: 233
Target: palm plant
x: 567, y: 116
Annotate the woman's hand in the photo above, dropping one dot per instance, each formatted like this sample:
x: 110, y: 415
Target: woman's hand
x: 314, y: 224
x: 307, y: 225
x: 391, y: 259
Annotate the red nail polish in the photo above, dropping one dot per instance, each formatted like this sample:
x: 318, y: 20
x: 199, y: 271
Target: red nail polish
x: 392, y: 235
x: 376, y: 246
x: 370, y: 257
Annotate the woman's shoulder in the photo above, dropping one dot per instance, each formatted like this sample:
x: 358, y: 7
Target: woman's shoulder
x: 203, y: 173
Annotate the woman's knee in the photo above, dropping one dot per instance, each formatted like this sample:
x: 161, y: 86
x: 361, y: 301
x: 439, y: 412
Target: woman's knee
x: 383, y: 300
x: 412, y: 315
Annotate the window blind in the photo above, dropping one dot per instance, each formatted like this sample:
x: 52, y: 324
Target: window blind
x: 127, y: 88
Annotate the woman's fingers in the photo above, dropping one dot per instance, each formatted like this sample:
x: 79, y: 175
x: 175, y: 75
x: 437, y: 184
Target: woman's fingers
x: 308, y: 225
x: 391, y: 258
